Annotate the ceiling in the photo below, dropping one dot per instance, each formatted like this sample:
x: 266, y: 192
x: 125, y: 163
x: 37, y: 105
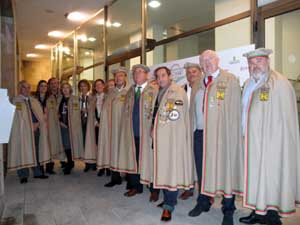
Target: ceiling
x: 35, y: 18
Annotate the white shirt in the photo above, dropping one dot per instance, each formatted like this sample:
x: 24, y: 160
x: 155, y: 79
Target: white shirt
x: 120, y: 89
x: 188, y: 93
x: 142, y: 86
x: 246, y: 98
x: 214, y: 75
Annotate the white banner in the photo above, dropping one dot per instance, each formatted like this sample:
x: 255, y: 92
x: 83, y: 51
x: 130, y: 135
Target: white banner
x: 231, y: 60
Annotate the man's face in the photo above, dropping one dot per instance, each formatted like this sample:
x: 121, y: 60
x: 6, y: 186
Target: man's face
x: 140, y: 76
x: 163, y: 79
x: 54, y: 85
x: 258, y: 67
x: 25, y: 89
x: 192, y: 73
x: 120, y: 78
x: 83, y: 88
x: 209, y: 63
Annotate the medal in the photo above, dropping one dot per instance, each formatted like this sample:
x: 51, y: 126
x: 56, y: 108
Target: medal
x: 220, y: 94
x: 174, y: 115
x: 122, y: 98
x: 75, y: 106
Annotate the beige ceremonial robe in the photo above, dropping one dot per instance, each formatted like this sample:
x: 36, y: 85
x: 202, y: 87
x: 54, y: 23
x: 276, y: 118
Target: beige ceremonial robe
x: 21, y: 147
x: 75, y: 130
x: 127, y: 157
x: 222, y: 140
x: 55, y: 143
x: 90, y: 148
x: 170, y: 164
x: 110, y: 129
x: 272, y: 148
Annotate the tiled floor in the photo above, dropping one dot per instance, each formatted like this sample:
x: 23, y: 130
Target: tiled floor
x: 81, y: 199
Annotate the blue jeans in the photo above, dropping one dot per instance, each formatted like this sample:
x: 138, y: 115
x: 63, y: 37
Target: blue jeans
x: 170, y: 199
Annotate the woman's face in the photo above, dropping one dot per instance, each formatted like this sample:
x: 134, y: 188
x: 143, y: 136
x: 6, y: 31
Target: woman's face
x: 99, y: 87
x: 43, y: 87
x: 66, y: 90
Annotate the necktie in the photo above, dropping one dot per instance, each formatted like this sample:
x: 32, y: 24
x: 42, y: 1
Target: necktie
x: 209, y: 80
x: 138, y: 92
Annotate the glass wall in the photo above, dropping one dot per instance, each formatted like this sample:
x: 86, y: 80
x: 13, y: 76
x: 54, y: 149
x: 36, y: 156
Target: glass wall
x: 67, y: 51
x: 124, y: 27
x: 90, y: 47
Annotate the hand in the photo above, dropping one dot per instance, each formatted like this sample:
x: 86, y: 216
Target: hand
x: 36, y: 126
x: 63, y: 125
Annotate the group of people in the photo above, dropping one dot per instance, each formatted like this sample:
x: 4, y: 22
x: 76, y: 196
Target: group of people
x: 227, y: 140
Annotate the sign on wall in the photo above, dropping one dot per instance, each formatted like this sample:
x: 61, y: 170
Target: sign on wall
x: 231, y: 60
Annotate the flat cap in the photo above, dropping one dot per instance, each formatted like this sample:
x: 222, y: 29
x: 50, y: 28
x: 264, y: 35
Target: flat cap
x: 189, y: 64
x: 264, y: 52
x: 144, y: 67
x: 120, y: 69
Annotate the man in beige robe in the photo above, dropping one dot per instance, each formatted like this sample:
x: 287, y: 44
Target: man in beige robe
x: 28, y: 145
x: 55, y: 143
x: 136, y: 130
x: 110, y: 127
x: 169, y: 165
x: 272, y: 147
x: 222, y: 159
x: 193, y: 76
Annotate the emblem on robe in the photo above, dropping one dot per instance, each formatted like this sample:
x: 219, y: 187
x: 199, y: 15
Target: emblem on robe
x: 264, y: 93
x: 220, y: 94
x: 18, y: 106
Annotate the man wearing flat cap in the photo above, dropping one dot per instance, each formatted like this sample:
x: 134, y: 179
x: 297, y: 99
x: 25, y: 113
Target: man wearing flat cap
x: 217, y: 125
x: 136, y: 129
x: 110, y: 127
x: 272, y: 147
x: 194, y: 78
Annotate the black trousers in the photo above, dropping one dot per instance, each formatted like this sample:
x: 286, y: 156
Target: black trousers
x: 134, y: 179
x: 228, y: 206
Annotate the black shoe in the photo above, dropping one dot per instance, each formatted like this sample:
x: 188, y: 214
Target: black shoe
x: 51, y: 172
x: 197, y: 211
x: 86, y: 169
x: 100, y: 173
x: 67, y: 170
x: 253, y: 218
x: 160, y: 205
x: 41, y: 177
x: 23, y: 180
x: 112, y: 183
x: 62, y: 164
x: 227, y: 220
x: 94, y: 167
x: 108, y: 172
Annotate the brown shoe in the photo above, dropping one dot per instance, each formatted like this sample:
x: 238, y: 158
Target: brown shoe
x: 186, y: 194
x: 131, y: 192
x: 166, y: 215
x: 153, y: 197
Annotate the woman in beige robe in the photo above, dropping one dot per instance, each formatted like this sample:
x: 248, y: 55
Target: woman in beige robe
x: 70, y: 123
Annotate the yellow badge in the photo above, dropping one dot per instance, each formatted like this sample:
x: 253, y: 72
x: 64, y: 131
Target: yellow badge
x: 75, y: 106
x: 264, y: 94
x: 170, y: 104
x: 220, y: 94
x: 221, y: 86
x: 122, y: 98
x: 18, y: 106
x: 51, y: 104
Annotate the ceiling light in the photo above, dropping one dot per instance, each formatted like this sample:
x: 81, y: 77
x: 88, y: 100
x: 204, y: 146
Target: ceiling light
x: 100, y: 21
x: 87, y: 53
x: 56, y: 34
x: 92, y: 39
x: 108, y: 24
x: 82, y: 38
x: 32, y: 55
x: 41, y: 46
x: 116, y: 24
x: 76, y: 16
x: 154, y: 4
